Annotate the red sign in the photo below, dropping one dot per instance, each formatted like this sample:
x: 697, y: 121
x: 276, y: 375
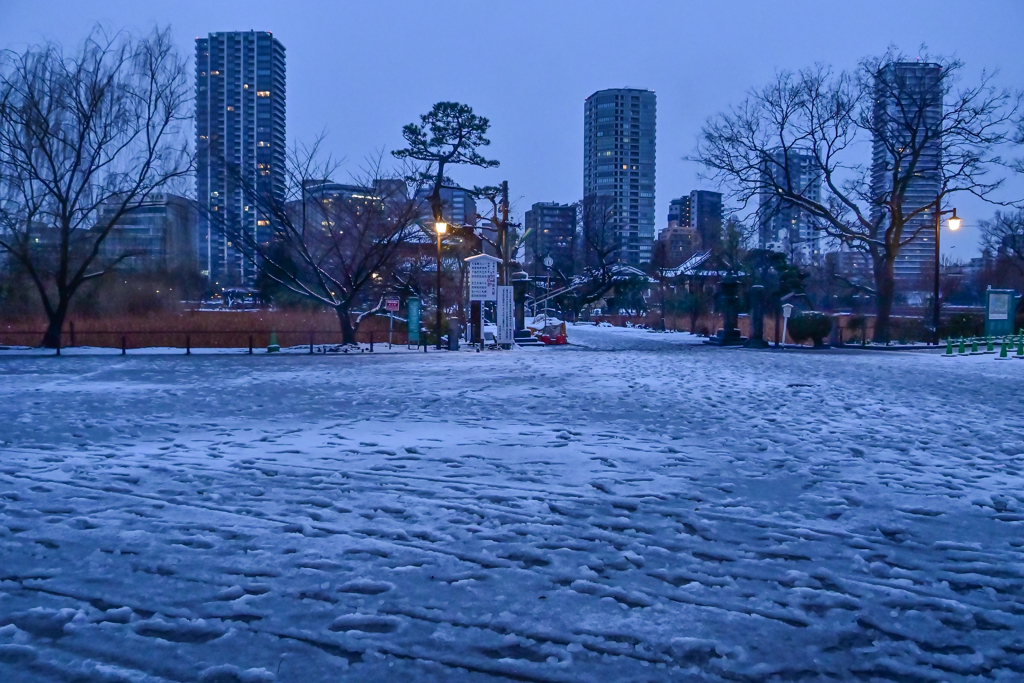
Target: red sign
x: 392, y: 303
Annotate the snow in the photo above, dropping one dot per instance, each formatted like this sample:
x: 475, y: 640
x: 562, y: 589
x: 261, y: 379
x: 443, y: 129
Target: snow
x: 633, y: 506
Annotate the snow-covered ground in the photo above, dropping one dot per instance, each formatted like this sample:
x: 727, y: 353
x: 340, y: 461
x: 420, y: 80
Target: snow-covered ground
x: 635, y: 507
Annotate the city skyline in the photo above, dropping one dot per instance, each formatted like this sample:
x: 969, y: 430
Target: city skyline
x: 534, y: 106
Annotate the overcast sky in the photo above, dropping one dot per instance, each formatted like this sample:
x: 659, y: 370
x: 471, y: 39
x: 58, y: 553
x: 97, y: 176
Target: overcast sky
x: 361, y: 70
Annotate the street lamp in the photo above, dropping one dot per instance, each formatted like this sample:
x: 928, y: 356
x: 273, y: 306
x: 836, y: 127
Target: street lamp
x: 954, y: 224
x: 441, y: 228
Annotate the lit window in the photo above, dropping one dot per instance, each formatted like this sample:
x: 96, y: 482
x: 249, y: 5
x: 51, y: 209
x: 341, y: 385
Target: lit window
x: 262, y: 222
x: 231, y: 108
x: 263, y: 93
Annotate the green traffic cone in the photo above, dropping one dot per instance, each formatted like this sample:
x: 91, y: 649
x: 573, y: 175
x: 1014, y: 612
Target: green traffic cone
x: 988, y: 345
x: 1020, y: 348
x: 962, y: 350
x: 1002, y: 352
x: 974, y: 347
x: 949, y: 347
x: 273, y: 347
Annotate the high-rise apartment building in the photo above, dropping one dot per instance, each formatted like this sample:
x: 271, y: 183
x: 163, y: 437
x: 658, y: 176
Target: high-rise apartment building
x: 706, y: 217
x: 908, y: 113
x: 240, y: 145
x: 552, y: 227
x: 694, y: 223
x: 782, y: 225
x: 619, y: 165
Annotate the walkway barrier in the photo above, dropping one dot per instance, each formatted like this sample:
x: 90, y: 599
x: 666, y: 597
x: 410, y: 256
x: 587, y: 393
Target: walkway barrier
x: 1006, y: 345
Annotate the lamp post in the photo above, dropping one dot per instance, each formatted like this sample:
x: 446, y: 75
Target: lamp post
x: 954, y: 224
x: 441, y: 228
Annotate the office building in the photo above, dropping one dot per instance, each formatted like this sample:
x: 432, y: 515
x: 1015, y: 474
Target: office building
x: 458, y: 207
x: 619, y: 165
x: 908, y: 107
x: 240, y: 147
x: 160, y: 234
x: 552, y: 227
x: 782, y: 225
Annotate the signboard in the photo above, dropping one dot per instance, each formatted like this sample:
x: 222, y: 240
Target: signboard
x: 506, y: 315
x: 1000, y: 312
x: 998, y: 306
x: 392, y: 303
x: 483, y: 278
x: 414, y: 321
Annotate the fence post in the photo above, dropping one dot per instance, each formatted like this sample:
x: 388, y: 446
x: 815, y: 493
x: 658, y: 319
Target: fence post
x: 124, y: 345
x: 311, y: 342
x: 72, y: 326
x: 188, y: 345
x: 250, y: 344
x: 371, y: 342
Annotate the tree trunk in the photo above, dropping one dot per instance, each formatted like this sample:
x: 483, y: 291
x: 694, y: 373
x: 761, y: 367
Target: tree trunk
x: 55, y: 323
x: 885, y: 286
x: 348, y: 332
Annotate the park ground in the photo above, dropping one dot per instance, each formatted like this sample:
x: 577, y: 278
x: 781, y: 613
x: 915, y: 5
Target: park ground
x: 633, y: 507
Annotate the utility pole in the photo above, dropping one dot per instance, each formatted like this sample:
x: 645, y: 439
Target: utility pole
x: 503, y: 238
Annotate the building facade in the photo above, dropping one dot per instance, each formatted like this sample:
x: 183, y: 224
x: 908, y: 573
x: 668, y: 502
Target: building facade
x: 908, y: 115
x: 240, y: 147
x: 552, y: 228
x: 458, y: 207
x: 706, y: 217
x: 694, y: 224
x: 160, y: 234
x: 619, y: 164
x: 782, y: 225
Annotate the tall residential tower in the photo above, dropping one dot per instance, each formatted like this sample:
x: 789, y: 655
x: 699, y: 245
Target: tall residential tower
x: 240, y: 143
x: 907, y: 118
x: 618, y: 165
x: 782, y: 225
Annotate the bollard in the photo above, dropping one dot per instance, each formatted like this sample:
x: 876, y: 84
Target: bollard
x: 949, y: 348
x: 1002, y: 352
x: 310, y: 343
x: 188, y: 345
x: 371, y: 342
x: 424, y: 346
x: 250, y: 344
x: 124, y: 346
x: 58, y: 348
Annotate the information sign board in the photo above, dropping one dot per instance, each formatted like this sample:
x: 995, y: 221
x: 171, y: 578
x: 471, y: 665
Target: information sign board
x: 414, y: 321
x: 506, y: 315
x: 483, y: 278
x: 392, y: 303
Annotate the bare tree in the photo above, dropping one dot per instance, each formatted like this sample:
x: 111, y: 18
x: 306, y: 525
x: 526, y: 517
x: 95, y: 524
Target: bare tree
x: 926, y: 129
x: 599, y: 247
x: 507, y: 240
x: 1003, y: 236
x: 84, y: 134
x: 332, y: 244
